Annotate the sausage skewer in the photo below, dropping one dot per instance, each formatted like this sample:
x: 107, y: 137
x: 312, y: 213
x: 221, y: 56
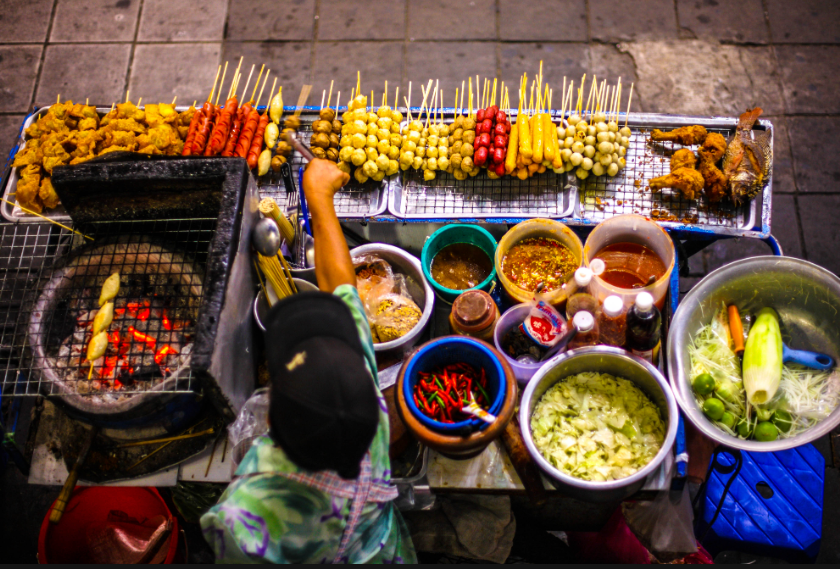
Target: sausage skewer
x: 205, y: 122
x: 257, y: 141
x: 241, y: 115
x: 243, y: 146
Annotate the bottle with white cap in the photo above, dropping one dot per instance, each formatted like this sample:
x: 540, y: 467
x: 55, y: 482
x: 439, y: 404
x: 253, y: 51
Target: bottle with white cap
x: 613, y: 322
x: 582, y: 299
x: 644, y: 328
x: 587, y: 330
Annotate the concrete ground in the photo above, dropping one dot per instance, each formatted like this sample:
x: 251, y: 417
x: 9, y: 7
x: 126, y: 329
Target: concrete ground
x: 705, y: 57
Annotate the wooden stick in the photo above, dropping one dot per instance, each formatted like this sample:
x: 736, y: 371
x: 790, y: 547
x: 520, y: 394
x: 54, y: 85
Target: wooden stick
x: 213, y: 90
x: 304, y: 94
x: 337, y: 99
x: 358, y: 82
x: 47, y: 218
x: 127, y: 91
x: 581, y: 94
x: 493, y: 100
x: 257, y: 84
x: 397, y: 98
x: 461, y: 102
x: 209, y: 431
x: 270, y: 95
x: 408, y: 101
x: 469, y: 102
x: 323, y: 98
x: 212, y: 454
x: 248, y: 82
x: 629, y: 100
x: 329, y: 98
x: 140, y: 100
x: 385, y: 95
x: 220, y: 84
x: 173, y: 100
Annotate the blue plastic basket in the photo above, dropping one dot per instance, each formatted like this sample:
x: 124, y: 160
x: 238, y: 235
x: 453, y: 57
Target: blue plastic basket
x: 451, y: 350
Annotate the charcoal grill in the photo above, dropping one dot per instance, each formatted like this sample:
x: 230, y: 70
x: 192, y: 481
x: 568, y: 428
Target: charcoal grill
x: 186, y: 283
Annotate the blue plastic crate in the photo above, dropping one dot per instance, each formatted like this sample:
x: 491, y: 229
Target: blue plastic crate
x: 784, y: 521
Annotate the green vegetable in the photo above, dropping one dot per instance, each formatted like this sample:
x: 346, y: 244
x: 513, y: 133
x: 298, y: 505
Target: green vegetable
x: 764, y: 414
x: 783, y: 420
x: 763, y: 358
x: 744, y: 428
x: 728, y: 419
x: 713, y: 408
x: 766, y: 432
x: 597, y: 427
x: 703, y: 384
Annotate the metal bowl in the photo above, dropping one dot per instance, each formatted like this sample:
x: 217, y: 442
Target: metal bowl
x: 418, y: 287
x: 807, y: 298
x: 261, y: 307
x: 619, y: 363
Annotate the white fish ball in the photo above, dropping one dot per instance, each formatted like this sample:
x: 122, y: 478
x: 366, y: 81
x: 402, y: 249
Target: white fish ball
x: 601, y: 127
x: 622, y: 151
x: 589, y: 151
x: 612, y: 170
x: 590, y: 141
x: 598, y: 170
x: 605, y: 147
x: 576, y: 158
x: 582, y: 173
x: 603, y: 137
x: 578, y: 147
x: 591, y: 131
x: 574, y: 119
x: 613, y: 126
x: 625, y: 131
x: 565, y: 154
x: 587, y: 164
x: 606, y: 159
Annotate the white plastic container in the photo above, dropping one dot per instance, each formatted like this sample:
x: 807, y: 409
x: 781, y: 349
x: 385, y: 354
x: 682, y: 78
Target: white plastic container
x: 630, y: 229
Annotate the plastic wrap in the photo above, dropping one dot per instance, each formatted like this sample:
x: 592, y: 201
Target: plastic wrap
x: 252, y: 422
x: 390, y: 310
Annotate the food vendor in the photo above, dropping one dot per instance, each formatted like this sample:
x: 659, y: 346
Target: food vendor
x: 318, y: 487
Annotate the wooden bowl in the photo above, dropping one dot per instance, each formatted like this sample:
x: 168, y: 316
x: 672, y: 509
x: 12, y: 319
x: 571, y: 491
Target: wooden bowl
x: 454, y: 446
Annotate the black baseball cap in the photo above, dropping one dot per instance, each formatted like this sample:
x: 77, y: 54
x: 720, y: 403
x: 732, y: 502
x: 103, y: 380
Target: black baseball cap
x: 324, y: 410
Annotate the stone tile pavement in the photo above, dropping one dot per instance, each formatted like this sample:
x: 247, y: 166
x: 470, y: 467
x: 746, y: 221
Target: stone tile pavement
x: 685, y: 56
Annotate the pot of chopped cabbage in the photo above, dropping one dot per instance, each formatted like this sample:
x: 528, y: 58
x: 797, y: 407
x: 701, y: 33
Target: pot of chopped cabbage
x: 598, y: 421
x: 806, y: 299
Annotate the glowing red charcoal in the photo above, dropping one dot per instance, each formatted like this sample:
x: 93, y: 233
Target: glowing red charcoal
x: 163, y: 352
x: 148, y: 340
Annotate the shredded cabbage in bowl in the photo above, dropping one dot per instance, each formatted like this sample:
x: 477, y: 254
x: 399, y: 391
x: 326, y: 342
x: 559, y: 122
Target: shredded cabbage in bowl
x: 597, y: 427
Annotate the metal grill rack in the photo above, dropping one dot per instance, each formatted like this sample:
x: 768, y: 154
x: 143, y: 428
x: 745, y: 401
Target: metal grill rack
x: 353, y: 201
x: 543, y: 195
x: 31, y: 253
x: 628, y: 192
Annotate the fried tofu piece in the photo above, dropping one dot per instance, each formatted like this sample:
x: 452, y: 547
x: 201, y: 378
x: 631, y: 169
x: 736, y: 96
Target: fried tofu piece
x: 47, y: 194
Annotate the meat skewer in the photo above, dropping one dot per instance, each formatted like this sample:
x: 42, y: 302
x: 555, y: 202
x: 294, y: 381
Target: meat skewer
x: 257, y: 141
x: 221, y: 130
x: 251, y: 124
x: 205, y: 122
x: 241, y: 115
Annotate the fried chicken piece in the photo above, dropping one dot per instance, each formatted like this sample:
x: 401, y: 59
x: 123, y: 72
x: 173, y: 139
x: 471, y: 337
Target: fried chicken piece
x: 686, y: 180
x: 714, y: 146
x: 149, y: 149
x: 162, y: 136
x: 88, y: 124
x: 119, y: 138
x: 47, y: 194
x: 683, y: 158
x: 685, y: 135
x: 115, y: 149
x: 153, y: 116
x: 715, y: 184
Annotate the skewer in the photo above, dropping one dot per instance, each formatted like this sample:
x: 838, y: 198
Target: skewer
x: 323, y: 98
x: 236, y: 77
x: 358, y: 81
x: 385, y: 95
x: 629, y: 100
x: 140, y: 100
x: 209, y: 431
x: 329, y: 97
x: 213, y: 90
x: 304, y: 94
x: 337, y: 99
x: 408, y: 101
x: 461, y: 103
x: 397, y: 98
x: 220, y: 84
x: 58, y: 98
x: 248, y: 82
x: 456, y: 102
x: 493, y: 99
x: 257, y: 84
x: 579, y: 105
x: 271, y: 95
x: 173, y: 100
x: 469, y: 102
x: 86, y: 101
x: 127, y: 91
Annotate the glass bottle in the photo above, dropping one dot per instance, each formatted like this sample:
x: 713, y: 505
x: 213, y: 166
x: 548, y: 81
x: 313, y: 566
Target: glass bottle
x: 644, y: 328
x: 587, y: 334
x: 613, y: 322
x: 582, y: 299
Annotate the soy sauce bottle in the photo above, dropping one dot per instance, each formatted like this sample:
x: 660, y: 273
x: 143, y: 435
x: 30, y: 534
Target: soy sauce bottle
x: 644, y: 328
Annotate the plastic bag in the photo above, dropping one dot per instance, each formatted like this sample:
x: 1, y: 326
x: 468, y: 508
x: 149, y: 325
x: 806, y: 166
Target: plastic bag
x: 252, y: 422
x: 390, y: 310
x: 664, y: 525
x: 543, y: 325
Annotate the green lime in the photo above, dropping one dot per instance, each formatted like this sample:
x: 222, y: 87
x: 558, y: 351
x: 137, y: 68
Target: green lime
x: 703, y: 384
x: 713, y: 409
x: 728, y: 419
x: 766, y: 432
x: 743, y: 428
x: 783, y: 420
x: 764, y: 414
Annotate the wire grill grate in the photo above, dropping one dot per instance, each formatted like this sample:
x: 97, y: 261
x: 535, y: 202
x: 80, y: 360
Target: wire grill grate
x: 480, y: 196
x: 628, y: 192
x: 161, y: 263
x: 353, y: 200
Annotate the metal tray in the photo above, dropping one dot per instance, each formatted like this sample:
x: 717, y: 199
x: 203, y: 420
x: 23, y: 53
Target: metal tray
x: 479, y: 197
x: 353, y: 201
x: 605, y: 197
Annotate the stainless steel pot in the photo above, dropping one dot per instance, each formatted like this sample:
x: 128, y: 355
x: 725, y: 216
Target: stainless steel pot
x: 418, y: 287
x: 807, y: 298
x: 617, y: 362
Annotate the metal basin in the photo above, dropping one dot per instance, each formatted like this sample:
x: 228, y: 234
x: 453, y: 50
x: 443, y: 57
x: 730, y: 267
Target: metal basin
x: 418, y: 287
x: 807, y: 298
x: 613, y: 361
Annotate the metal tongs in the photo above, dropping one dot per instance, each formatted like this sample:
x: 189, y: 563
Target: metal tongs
x: 292, y: 139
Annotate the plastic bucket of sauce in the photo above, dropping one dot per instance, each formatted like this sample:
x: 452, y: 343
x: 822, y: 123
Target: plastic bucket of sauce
x: 466, y: 236
x: 539, y: 228
x: 617, y: 241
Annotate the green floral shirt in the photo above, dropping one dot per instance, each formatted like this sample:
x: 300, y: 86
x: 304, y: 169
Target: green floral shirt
x: 265, y: 517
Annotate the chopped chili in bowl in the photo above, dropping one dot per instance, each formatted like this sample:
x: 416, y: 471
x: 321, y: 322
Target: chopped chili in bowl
x: 539, y: 260
x: 442, y: 393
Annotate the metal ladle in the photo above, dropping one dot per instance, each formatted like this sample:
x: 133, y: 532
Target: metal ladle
x: 266, y: 237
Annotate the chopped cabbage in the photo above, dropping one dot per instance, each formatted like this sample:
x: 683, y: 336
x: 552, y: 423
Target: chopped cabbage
x: 597, y: 427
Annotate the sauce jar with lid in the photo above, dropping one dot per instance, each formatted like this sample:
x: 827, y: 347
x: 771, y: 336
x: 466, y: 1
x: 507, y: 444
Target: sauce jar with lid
x: 474, y: 313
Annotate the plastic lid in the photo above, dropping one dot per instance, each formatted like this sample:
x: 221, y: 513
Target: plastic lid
x: 597, y: 266
x: 613, y: 305
x: 473, y: 310
x: 644, y: 301
x: 583, y: 321
x: 583, y: 276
